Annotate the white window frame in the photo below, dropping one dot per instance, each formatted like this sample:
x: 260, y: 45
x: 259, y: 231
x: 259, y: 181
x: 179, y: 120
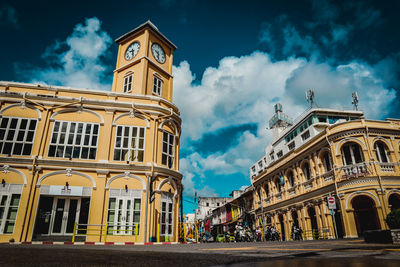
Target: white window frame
x: 167, y: 198
x: 123, y: 222
x: 157, y: 85
x: 351, y: 150
x: 128, y: 80
x: 59, y: 145
x: 378, y: 152
x: 4, y: 218
x: 132, y: 148
x: 170, y: 153
x: 330, y: 161
x: 307, y: 171
x: 6, y: 130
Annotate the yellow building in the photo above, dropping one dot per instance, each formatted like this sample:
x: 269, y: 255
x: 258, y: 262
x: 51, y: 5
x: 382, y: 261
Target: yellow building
x: 98, y: 159
x: 328, y: 153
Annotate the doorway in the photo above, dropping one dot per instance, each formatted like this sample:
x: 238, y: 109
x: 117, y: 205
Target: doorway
x: 365, y: 214
x: 56, y: 216
x: 282, y: 224
x: 314, y: 225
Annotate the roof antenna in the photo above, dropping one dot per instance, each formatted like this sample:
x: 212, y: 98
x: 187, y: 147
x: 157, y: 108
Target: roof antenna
x: 355, y: 100
x: 310, y: 97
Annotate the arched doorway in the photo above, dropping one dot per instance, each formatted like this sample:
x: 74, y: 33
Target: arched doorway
x: 283, y: 237
x: 394, y: 202
x: 365, y: 214
x: 314, y: 225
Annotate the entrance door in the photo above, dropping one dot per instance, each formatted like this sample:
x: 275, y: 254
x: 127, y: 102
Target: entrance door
x: 365, y: 214
x: 65, y: 213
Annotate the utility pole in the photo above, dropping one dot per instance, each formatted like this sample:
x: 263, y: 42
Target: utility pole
x: 195, y: 210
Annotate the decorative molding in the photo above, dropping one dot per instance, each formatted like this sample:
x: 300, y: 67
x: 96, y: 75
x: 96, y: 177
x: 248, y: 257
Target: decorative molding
x: 78, y: 110
x: 348, y: 139
x: 381, y: 138
x: 132, y: 114
x: 7, y: 169
x: 358, y: 193
x: 68, y: 173
x: 170, y: 180
x: 22, y: 105
x: 126, y: 175
x: 172, y: 121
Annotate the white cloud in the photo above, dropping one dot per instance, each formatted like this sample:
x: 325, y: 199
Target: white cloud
x: 77, y: 61
x: 243, y: 90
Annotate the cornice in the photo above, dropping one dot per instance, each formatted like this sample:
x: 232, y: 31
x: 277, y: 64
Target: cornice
x: 89, y: 166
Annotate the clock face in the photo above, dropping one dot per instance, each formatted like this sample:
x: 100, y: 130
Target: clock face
x: 132, y: 50
x: 158, y: 52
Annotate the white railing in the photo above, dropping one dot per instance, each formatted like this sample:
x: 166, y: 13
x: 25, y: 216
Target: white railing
x: 354, y: 170
x: 386, y: 167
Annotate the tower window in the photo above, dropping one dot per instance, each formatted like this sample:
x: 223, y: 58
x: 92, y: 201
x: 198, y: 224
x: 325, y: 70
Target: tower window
x: 128, y: 83
x: 167, y: 157
x: 157, y: 85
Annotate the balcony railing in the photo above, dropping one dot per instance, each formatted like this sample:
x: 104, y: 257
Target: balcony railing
x: 387, y: 167
x: 355, y: 170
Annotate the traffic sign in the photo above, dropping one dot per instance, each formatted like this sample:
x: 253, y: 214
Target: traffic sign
x: 331, y: 203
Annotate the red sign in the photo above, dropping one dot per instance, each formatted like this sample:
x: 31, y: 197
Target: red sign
x: 331, y: 203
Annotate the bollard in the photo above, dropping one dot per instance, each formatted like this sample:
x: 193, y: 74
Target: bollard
x: 184, y: 232
x: 158, y: 232
x: 73, y: 236
x: 136, y: 232
x: 105, y: 232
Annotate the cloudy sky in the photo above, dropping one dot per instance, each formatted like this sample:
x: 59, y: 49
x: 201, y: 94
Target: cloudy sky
x: 235, y: 60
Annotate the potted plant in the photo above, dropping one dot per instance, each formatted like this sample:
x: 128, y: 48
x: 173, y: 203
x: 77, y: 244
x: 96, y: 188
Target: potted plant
x: 393, y: 220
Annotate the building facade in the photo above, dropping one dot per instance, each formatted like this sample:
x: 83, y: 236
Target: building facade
x: 207, y: 204
x: 328, y: 153
x: 105, y: 162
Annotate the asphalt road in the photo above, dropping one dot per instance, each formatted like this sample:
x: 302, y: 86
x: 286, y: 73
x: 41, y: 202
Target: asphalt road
x: 278, y: 254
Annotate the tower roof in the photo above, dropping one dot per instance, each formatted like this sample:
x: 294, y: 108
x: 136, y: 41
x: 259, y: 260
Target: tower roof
x: 148, y: 24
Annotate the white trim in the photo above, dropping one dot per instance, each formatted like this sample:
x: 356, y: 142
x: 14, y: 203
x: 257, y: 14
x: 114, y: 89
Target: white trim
x: 388, y: 193
x: 67, y: 172
x: 170, y: 180
x: 6, y: 168
x: 172, y: 121
x: 132, y: 115
x: 23, y: 104
x: 380, y: 138
x: 357, y: 193
x: 78, y: 109
x: 347, y: 139
x: 126, y: 175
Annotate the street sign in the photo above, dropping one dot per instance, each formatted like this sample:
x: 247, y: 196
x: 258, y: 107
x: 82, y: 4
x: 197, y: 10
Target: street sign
x: 331, y: 203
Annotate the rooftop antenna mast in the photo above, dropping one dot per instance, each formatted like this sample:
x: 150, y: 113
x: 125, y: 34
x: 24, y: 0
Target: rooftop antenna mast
x: 310, y: 97
x: 355, y: 100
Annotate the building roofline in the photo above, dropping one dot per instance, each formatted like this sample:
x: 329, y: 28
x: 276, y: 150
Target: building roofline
x: 148, y: 24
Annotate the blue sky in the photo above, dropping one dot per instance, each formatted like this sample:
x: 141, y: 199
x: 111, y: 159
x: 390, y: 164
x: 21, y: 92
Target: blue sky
x: 235, y: 60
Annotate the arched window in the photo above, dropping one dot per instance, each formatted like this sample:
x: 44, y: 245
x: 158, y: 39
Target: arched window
x: 266, y: 188
x: 381, y: 152
x: 351, y: 153
x: 327, y: 161
x: 290, y: 177
x: 260, y: 194
x: 278, y: 185
x: 307, y: 171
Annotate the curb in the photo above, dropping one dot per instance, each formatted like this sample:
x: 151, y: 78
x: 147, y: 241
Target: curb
x: 91, y: 243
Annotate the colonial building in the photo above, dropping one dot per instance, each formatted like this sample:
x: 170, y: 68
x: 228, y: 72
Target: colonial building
x: 324, y: 153
x: 105, y: 161
x: 207, y: 204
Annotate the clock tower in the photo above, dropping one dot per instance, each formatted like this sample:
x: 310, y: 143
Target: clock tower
x: 144, y: 63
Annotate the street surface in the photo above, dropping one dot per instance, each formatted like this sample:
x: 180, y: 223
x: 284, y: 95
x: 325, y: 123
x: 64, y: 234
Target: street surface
x: 278, y: 254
